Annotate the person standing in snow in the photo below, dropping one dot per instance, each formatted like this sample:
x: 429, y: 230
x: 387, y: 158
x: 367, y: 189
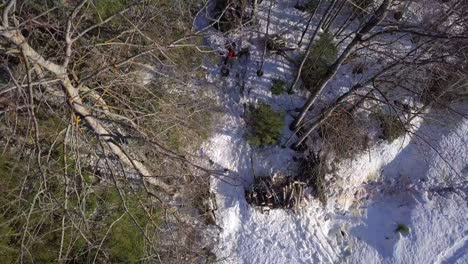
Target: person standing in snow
x: 231, y: 53
x: 228, y: 59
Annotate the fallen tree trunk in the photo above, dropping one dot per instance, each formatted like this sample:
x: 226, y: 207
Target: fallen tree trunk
x: 76, y: 104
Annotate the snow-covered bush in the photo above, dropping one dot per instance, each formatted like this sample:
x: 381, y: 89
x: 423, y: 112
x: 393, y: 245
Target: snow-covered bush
x: 322, y: 55
x: 344, y: 134
x: 391, y: 125
x: 278, y: 86
x: 448, y: 84
x: 312, y: 173
x: 265, y: 125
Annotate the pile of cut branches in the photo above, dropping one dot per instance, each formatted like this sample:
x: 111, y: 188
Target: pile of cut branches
x: 277, y: 44
x: 287, y: 192
x: 276, y: 192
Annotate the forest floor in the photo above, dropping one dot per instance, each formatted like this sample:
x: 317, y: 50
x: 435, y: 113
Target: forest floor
x: 418, y: 180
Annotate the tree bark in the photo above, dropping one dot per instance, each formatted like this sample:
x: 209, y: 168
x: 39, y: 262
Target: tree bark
x: 76, y: 103
x: 266, y: 36
x: 308, y: 22
x: 329, y: 110
x: 309, y: 47
x: 333, y: 17
x: 371, y: 23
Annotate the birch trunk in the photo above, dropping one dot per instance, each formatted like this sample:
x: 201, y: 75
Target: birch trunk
x: 76, y: 103
x: 371, y: 23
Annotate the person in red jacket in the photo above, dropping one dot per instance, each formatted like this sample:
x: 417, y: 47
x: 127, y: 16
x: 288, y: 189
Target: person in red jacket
x: 231, y: 53
x: 228, y: 59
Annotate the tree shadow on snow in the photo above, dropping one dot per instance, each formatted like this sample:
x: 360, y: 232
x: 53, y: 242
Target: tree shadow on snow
x: 408, y: 171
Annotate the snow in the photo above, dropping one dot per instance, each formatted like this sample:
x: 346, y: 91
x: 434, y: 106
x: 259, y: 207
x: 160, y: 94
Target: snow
x: 435, y: 236
x: 419, y: 181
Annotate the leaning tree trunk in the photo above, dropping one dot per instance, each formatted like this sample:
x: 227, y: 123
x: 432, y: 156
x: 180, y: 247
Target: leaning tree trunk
x: 266, y: 38
x: 333, y: 17
x: 309, y: 47
x: 373, y: 21
x: 78, y: 107
x: 343, y: 26
x: 254, y: 8
x: 308, y: 23
x: 330, y: 109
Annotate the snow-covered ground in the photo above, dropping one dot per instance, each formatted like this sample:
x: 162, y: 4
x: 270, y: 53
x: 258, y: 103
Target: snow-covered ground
x: 419, y: 181
x: 425, y: 189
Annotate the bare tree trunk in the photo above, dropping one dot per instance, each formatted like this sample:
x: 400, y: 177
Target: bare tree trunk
x: 329, y: 110
x: 372, y: 22
x: 309, y: 47
x: 343, y: 27
x: 76, y: 103
x: 266, y: 38
x: 327, y: 17
x: 254, y: 8
x: 332, y: 18
x: 308, y: 23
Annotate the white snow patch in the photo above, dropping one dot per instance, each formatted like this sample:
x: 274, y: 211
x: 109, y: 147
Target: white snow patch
x: 405, y: 182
